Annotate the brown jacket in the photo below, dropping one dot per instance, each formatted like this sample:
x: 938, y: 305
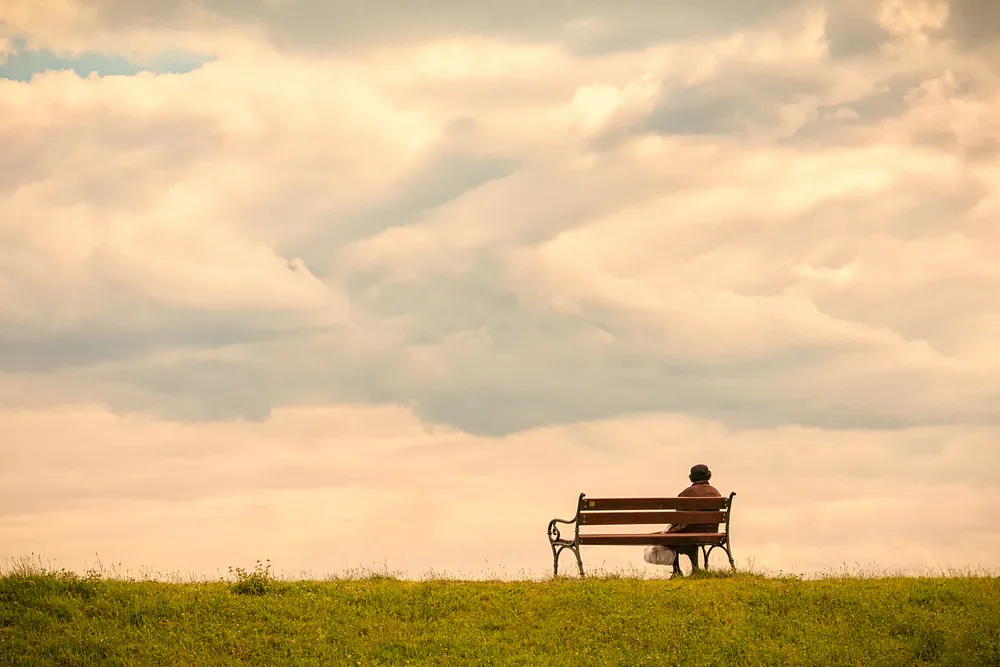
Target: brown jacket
x: 697, y: 490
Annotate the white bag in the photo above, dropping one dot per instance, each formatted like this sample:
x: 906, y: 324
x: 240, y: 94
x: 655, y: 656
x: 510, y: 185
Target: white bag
x: 659, y: 555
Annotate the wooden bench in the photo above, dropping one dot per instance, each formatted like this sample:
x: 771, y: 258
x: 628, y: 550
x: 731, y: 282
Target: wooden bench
x: 645, y: 511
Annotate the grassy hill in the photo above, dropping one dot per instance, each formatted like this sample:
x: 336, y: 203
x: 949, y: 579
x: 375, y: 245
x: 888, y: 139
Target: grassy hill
x: 65, y: 619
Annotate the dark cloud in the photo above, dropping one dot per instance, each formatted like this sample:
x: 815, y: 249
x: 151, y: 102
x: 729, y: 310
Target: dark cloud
x: 588, y: 27
x: 887, y: 102
x: 852, y: 29
x: 743, y: 98
x: 854, y: 121
x: 462, y: 350
x: 132, y: 333
x: 974, y: 23
x: 310, y: 201
x: 441, y: 178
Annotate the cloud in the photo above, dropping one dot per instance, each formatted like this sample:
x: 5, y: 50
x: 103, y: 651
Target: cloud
x: 974, y: 23
x: 388, y: 237
x: 350, y: 484
x: 747, y: 226
x: 307, y: 25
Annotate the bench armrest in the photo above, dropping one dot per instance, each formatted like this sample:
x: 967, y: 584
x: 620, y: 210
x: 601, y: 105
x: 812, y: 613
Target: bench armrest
x: 553, y: 531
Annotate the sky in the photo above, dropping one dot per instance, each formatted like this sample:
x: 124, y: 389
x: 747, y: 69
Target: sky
x: 389, y: 287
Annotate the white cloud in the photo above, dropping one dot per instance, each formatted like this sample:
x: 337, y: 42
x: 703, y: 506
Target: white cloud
x: 335, y: 487
x: 732, y: 230
x: 912, y: 19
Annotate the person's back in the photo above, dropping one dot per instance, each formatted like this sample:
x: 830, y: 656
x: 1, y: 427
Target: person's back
x: 700, y: 488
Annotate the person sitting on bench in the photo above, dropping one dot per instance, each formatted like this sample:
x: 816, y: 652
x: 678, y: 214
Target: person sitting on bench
x: 700, y: 488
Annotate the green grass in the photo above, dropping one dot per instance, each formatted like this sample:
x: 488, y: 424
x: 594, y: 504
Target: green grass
x: 744, y: 619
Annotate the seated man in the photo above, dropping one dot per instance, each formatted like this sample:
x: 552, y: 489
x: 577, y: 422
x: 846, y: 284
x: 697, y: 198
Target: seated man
x: 700, y: 488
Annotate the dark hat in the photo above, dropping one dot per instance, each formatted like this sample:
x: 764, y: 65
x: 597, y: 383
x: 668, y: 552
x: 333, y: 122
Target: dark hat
x: 700, y: 473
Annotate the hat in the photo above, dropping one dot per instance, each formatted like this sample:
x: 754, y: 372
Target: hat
x: 700, y: 473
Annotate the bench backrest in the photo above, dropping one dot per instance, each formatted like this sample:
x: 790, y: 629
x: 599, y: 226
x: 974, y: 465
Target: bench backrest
x: 641, y: 511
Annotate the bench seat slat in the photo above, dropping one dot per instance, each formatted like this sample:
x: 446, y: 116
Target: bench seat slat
x: 598, y: 504
x: 648, y: 518
x: 665, y: 539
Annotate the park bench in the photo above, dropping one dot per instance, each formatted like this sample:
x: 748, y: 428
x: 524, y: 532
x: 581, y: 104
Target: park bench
x: 644, y: 511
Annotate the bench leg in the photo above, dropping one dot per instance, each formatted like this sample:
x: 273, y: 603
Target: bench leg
x: 724, y: 547
x: 557, y: 551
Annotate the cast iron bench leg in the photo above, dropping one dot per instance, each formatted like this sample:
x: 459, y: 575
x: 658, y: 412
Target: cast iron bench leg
x: 557, y: 549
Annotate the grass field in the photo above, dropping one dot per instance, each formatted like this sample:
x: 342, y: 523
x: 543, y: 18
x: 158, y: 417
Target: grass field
x: 743, y: 619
